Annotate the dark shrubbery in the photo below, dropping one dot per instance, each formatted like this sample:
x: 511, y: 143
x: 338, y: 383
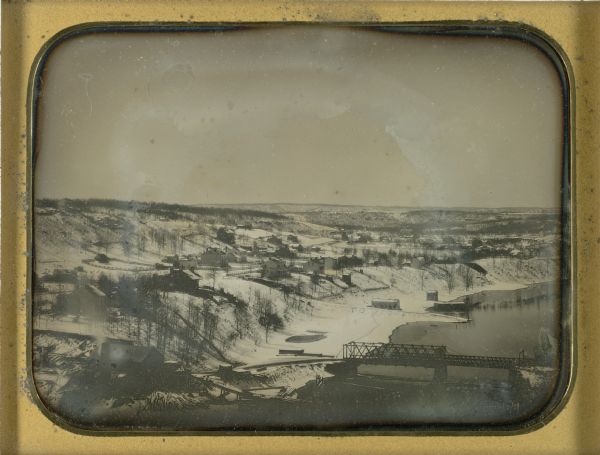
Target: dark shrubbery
x: 225, y: 236
x: 345, y: 262
x: 60, y: 276
x: 102, y: 258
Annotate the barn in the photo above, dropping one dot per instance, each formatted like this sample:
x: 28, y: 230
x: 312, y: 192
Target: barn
x: 184, y: 280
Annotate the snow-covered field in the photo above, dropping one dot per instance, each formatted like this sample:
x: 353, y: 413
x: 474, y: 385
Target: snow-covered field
x: 341, y: 318
x: 135, y: 241
x: 347, y: 317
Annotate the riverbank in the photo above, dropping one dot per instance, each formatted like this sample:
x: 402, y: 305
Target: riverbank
x: 503, y: 323
x: 350, y: 317
x: 339, y: 324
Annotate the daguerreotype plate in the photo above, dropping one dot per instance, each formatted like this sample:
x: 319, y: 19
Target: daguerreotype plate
x: 300, y: 227
x: 344, y: 223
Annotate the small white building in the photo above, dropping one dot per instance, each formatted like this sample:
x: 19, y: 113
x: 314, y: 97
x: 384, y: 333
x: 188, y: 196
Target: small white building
x: 432, y: 296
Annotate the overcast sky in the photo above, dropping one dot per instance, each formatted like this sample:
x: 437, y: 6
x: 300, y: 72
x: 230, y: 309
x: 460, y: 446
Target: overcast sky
x: 301, y: 115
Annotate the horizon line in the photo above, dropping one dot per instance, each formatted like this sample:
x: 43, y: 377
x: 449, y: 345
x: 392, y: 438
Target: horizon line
x: 453, y: 207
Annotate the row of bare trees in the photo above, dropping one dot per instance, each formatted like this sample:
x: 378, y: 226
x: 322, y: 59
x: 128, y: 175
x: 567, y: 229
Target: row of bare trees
x: 452, y: 273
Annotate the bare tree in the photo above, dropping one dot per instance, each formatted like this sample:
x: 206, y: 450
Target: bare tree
x: 174, y: 242
x: 468, y: 276
x: 314, y: 283
x: 211, y: 320
x: 267, y: 316
x: 141, y: 242
x: 366, y: 254
x: 212, y: 274
x: 126, y: 245
x: 241, y: 318
x: 448, y: 273
x: 159, y: 238
x: 286, y: 294
x: 422, y: 274
x: 103, y: 236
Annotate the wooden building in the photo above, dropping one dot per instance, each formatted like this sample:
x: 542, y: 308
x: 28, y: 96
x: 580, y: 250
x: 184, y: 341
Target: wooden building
x: 214, y: 257
x: 275, y: 269
x: 184, y: 280
x: 386, y: 304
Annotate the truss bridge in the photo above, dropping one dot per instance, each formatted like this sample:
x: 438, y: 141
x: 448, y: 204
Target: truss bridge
x: 427, y: 356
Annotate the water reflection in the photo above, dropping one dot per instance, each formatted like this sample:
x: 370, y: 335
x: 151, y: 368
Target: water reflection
x: 503, y: 323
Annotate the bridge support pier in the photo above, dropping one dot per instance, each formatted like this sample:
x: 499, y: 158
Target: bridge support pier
x: 440, y: 373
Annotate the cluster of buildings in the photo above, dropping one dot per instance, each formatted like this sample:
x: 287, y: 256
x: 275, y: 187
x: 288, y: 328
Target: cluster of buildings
x: 276, y: 257
x: 211, y: 257
x: 251, y: 256
x: 275, y: 268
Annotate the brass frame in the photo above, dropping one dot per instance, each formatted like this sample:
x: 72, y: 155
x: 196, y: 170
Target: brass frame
x: 24, y: 429
x: 514, y: 31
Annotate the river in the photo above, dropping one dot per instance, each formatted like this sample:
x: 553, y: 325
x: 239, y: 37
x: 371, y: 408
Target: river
x: 503, y: 323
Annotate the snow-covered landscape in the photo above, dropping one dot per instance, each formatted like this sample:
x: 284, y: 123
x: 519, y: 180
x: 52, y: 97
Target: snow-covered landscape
x: 257, y: 302
x: 298, y: 228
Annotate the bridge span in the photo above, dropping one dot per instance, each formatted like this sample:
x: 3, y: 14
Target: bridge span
x: 427, y: 356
